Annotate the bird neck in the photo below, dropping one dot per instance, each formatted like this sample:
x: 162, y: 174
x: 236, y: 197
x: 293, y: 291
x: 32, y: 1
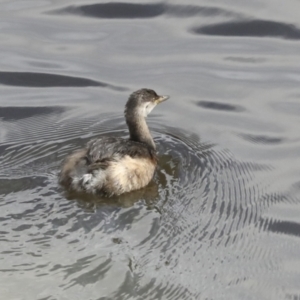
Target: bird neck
x: 138, y: 129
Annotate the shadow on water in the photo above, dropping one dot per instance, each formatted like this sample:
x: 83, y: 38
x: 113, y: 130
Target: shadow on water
x: 122, y: 10
x: 12, y: 113
x: 149, y: 195
x: 28, y: 79
x: 115, y: 10
x: 254, y: 28
x: 219, y: 106
x: 282, y: 227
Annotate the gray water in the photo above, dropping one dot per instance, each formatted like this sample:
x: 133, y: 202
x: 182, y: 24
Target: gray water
x: 220, y: 220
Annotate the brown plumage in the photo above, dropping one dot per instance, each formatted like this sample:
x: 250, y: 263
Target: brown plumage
x: 112, y: 166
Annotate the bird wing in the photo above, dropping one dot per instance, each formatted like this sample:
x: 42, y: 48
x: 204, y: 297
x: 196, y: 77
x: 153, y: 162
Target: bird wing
x: 102, y: 150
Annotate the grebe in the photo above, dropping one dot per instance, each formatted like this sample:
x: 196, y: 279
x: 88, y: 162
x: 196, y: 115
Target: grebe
x: 112, y: 166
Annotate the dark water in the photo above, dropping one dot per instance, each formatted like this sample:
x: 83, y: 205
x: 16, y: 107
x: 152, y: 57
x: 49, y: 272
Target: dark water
x: 221, y: 219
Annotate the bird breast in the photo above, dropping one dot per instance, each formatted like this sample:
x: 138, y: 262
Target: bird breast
x: 128, y: 174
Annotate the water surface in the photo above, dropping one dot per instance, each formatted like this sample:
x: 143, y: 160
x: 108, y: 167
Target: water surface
x: 220, y: 220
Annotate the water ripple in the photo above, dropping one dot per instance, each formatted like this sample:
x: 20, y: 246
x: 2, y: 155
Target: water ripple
x: 203, y: 208
x: 220, y: 219
x: 262, y: 139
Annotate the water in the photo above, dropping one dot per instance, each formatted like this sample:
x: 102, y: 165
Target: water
x: 220, y: 220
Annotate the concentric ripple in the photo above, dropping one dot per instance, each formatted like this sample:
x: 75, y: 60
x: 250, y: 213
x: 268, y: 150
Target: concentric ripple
x: 208, y: 191
x: 201, y: 199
